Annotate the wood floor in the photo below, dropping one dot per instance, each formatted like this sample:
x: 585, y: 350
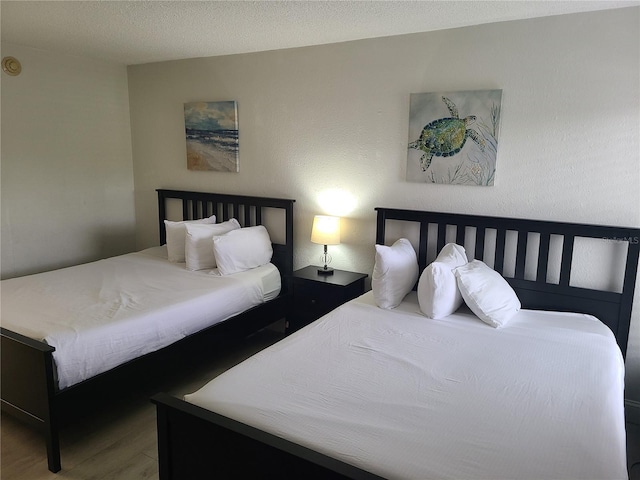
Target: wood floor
x: 120, y: 442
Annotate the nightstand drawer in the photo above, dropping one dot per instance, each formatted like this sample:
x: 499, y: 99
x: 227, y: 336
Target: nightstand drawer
x: 315, y: 295
x: 316, y: 300
x: 319, y: 290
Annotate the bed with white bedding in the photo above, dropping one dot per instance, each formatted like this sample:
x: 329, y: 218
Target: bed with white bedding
x: 371, y: 387
x: 70, y: 335
x: 369, y: 392
x: 102, y: 314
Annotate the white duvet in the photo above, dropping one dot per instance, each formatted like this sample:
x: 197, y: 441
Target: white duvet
x: 102, y: 314
x: 407, y: 397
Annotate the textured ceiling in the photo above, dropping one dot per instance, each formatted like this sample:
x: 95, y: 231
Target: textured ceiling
x: 134, y: 32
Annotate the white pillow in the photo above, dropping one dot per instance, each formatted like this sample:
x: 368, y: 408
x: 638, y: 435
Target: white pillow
x: 487, y: 294
x: 394, y: 273
x: 438, y: 293
x: 176, y: 234
x: 242, y: 249
x: 199, y: 243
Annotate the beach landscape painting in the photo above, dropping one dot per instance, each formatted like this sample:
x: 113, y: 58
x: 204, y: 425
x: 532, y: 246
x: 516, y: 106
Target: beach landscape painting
x: 453, y: 137
x: 211, y: 130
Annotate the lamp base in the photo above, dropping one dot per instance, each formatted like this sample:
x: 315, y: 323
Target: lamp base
x: 325, y: 270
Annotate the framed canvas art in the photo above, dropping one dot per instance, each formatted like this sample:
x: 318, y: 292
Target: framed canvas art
x: 211, y: 130
x: 453, y: 137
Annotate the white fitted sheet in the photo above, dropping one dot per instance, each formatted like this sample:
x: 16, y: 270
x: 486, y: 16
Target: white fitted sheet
x: 102, y: 314
x: 404, y: 396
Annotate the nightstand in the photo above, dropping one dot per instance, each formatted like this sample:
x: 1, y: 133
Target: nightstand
x: 316, y: 294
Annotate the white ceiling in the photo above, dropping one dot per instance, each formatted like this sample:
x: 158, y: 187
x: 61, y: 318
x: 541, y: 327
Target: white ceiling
x: 134, y: 32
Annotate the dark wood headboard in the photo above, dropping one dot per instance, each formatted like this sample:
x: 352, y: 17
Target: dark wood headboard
x: 533, y: 240
x: 248, y: 210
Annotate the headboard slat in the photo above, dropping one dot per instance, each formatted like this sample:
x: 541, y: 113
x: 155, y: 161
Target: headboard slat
x: 567, y: 256
x: 460, y: 235
x: 422, y: 248
x: 442, y: 235
x: 480, y: 233
x: 498, y: 265
x: 543, y: 258
x: 521, y: 254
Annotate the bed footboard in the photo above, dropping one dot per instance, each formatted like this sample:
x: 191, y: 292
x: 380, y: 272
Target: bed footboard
x: 28, y: 387
x: 197, y: 443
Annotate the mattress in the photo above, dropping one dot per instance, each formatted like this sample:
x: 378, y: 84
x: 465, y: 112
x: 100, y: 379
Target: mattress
x: 102, y: 314
x: 404, y: 396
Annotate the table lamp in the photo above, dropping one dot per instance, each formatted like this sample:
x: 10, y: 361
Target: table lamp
x: 325, y: 231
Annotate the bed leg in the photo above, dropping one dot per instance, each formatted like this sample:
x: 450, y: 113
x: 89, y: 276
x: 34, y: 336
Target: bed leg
x: 53, y: 448
x: 163, y: 442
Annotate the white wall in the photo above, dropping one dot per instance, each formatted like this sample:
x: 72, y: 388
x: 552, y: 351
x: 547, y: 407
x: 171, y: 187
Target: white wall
x: 336, y: 117
x: 67, y: 168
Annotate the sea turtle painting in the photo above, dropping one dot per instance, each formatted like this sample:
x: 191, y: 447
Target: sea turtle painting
x: 445, y: 137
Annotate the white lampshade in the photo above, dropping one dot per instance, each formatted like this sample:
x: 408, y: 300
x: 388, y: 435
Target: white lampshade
x: 326, y: 230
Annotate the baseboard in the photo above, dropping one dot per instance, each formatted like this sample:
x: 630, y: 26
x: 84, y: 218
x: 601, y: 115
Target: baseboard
x: 632, y: 411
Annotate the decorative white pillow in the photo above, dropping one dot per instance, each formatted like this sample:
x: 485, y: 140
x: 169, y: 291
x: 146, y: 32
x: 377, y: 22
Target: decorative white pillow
x: 438, y: 293
x: 176, y: 234
x: 487, y: 293
x: 394, y: 273
x: 199, y: 243
x: 242, y: 249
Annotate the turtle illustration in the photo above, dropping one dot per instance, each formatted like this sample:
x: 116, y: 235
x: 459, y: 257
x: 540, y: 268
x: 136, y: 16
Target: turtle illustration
x: 446, y: 136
